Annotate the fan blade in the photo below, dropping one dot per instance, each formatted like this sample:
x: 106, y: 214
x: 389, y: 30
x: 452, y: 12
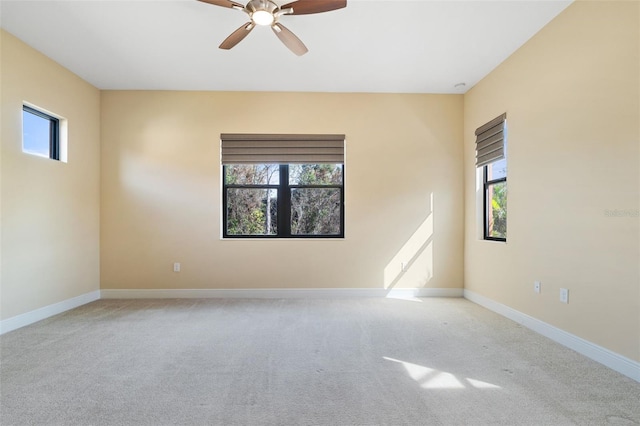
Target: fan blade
x: 237, y: 36
x: 289, y: 39
x: 306, y: 7
x: 224, y: 3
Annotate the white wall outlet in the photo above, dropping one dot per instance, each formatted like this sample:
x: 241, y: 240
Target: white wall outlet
x: 403, y: 266
x: 176, y: 267
x: 564, y: 295
x: 537, y: 286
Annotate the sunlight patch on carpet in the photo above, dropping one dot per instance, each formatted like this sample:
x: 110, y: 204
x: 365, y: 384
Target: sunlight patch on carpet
x: 430, y: 378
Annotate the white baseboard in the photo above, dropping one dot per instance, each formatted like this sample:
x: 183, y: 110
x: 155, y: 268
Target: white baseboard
x: 407, y: 293
x: 617, y: 362
x: 281, y: 293
x: 27, y: 318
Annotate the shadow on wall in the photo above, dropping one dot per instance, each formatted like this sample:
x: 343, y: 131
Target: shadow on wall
x: 412, y: 266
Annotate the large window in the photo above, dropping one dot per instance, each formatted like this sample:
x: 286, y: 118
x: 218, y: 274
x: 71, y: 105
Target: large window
x: 491, y: 158
x: 40, y: 133
x: 283, y: 200
x: 297, y: 192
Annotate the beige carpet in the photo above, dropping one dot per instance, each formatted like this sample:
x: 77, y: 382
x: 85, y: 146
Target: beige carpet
x: 300, y: 362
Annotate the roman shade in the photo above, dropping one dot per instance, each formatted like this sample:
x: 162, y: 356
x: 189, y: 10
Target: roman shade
x: 281, y: 149
x: 490, y: 141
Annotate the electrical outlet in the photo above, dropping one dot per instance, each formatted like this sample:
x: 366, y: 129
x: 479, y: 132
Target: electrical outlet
x: 176, y: 267
x: 537, y: 286
x: 564, y: 295
x: 403, y: 266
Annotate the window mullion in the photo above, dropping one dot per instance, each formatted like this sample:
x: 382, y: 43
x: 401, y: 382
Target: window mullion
x: 53, y: 139
x: 485, y: 204
x: 499, y: 180
x: 315, y: 186
x: 259, y: 186
x: 224, y: 201
x: 284, y: 203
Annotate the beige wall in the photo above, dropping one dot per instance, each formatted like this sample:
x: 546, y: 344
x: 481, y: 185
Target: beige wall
x: 50, y: 210
x: 161, y: 191
x: 571, y: 95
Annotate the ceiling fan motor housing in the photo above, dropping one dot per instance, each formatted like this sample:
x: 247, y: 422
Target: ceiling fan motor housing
x: 262, y: 12
x: 268, y: 13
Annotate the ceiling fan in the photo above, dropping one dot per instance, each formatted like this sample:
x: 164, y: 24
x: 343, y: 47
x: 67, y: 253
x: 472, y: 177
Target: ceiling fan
x: 267, y: 12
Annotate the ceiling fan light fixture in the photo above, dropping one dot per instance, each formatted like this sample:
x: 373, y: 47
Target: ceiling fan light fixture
x: 268, y: 13
x: 262, y: 17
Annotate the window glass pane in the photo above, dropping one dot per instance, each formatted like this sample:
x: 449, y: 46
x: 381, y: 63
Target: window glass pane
x: 252, y: 211
x: 315, y: 174
x: 35, y: 134
x: 497, y: 169
x: 497, y: 210
x: 315, y: 211
x: 252, y: 174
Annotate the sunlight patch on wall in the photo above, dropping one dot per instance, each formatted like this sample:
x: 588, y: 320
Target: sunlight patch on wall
x: 412, y: 266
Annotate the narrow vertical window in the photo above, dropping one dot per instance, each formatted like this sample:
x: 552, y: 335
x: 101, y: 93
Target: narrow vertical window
x: 495, y: 200
x: 40, y: 133
x: 491, y: 156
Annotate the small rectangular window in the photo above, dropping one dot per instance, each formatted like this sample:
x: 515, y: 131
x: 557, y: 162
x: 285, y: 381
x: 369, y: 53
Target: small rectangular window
x: 40, y: 133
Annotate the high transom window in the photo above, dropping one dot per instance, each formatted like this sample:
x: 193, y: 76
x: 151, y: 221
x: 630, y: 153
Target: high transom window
x: 40, y: 133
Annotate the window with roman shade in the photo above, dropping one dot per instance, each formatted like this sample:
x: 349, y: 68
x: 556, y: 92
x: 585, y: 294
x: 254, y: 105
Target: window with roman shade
x: 282, y: 149
x: 283, y: 185
x: 491, y: 156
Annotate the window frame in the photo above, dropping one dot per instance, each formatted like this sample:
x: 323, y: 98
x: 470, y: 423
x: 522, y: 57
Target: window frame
x: 54, y: 131
x: 486, y: 184
x: 284, y: 190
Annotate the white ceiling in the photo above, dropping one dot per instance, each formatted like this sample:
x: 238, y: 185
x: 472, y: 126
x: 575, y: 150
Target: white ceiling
x: 417, y: 46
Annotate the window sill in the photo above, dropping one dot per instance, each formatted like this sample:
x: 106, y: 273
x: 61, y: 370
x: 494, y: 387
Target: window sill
x: 493, y: 241
x: 282, y: 239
